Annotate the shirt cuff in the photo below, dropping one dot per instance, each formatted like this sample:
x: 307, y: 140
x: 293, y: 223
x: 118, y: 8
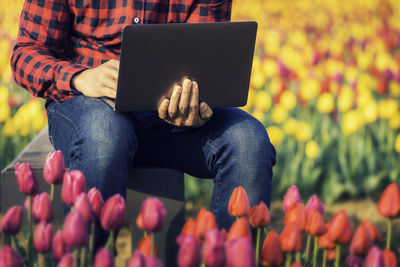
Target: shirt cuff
x: 65, y: 75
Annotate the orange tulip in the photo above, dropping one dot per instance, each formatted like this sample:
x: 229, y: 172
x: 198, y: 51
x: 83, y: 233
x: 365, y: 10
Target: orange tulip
x: 362, y: 241
x: 340, y: 229
x: 259, y: 215
x: 189, y: 228
x: 205, y: 221
x: 331, y: 254
x: 139, y: 222
x: 315, y: 224
x: 373, y: 231
x: 290, y: 239
x: 296, y: 264
x: 324, y: 241
x: 297, y: 215
x: 239, y: 228
x: 389, y: 258
x: 239, y: 204
x: 144, y: 246
x: 272, y: 254
x: 389, y: 203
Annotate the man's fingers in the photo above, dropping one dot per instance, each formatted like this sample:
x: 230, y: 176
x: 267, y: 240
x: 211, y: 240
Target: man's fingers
x: 163, y: 109
x: 109, y: 83
x: 205, y: 111
x: 194, y: 102
x: 185, y: 97
x: 174, y: 102
x: 108, y: 92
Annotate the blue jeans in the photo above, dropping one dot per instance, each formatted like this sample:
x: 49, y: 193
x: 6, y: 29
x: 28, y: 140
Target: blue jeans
x: 233, y: 148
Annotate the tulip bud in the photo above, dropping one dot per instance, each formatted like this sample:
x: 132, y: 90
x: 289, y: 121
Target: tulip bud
x: 96, y: 200
x: 42, y: 209
x: 240, y: 228
x: 315, y: 224
x: 272, y: 254
x: 153, y: 214
x: 373, y: 231
x: 340, y: 229
x: 54, y: 168
x: 213, y: 250
x: 74, y: 184
x: 292, y: 196
x: 66, y: 261
x: 239, y: 252
x: 296, y: 264
x: 259, y: 216
x: 57, y: 247
x: 9, y: 257
x: 314, y: 203
x: 112, y: 215
x: 331, y: 254
x: 153, y: 261
x: 374, y: 258
x: 136, y: 260
x: 362, y: 242
x: 297, y: 215
x: 389, y: 258
x: 75, y: 230
x: 139, y: 222
x: 325, y: 243
x: 189, y: 228
x: 26, y: 180
x: 42, y: 237
x: 103, y: 258
x: 239, y: 204
x: 12, y: 220
x: 353, y: 261
x: 389, y: 203
x: 205, y: 221
x: 144, y: 246
x: 83, y: 205
x: 189, y: 251
x: 290, y: 239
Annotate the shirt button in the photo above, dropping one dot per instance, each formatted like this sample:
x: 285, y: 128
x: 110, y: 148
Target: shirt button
x: 136, y: 20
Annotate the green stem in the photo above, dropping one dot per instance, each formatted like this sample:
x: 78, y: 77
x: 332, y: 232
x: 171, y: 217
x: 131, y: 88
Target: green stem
x: 389, y: 234
x: 112, y: 238
x: 76, y: 257
x: 315, y: 251
x: 91, y: 242
x: 6, y: 240
x: 324, y: 259
x: 30, y: 235
x: 203, y: 264
x: 288, y: 259
x: 83, y: 256
x: 152, y: 243
x: 52, y: 192
x: 298, y: 256
x: 337, y: 260
x: 258, y: 245
x: 308, y: 247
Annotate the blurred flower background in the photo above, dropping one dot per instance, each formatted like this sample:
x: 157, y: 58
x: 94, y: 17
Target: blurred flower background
x: 325, y: 83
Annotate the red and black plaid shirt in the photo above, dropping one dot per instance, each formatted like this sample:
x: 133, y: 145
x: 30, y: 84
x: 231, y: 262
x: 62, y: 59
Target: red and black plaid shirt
x: 58, y: 38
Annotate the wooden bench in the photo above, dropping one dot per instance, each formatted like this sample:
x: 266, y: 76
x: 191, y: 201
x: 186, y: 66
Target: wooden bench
x: 165, y: 184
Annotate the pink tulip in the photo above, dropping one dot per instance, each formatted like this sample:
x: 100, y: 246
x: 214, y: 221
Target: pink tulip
x: 54, y: 168
x: 112, y: 215
x: 291, y: 197
x: 10, y: 258
x: 26, y: 179
x: 354, y: 261
x: 11, y: 221
x: 213, y: 251
x: 42, y: 237
x: 58, y: 248
x: 103, y: 258
x: 75, y: 230
x: 42, y: 209
x: 66, y: 261
x: 153, y: 214
x: 136, y: 260
x: 153, y: 261
x: 314, y: 203
x: 239, y: 252
x: 96, y: 200
x: 83, y: 205
x: 374, y: 258
x: 73, y: 185
x: 189, y: 251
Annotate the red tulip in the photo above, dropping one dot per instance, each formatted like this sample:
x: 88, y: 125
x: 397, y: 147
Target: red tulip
x: 75, y: 230
x: 83, y: 205
x: 239, y: 252
x: 112, y: 215
x: 103, y: 258
x: 54, y: 168
x: 314, y: 203
x: 205, y: 221
x: 66, y: 261
x: 297, y: 215
x: 189, y: 251
x: 291, y: 197
x: 373, y: 231
x: 26, y: 179
x: 331, y: 254
x: 136, y: 260
x: 296, y: 264
x: 340, y: 229
x: 10, y: 258
x: 96, y: 200
x: 290, y: 239
x: 139, y: 222
x: 315, y: 224
x: 389, y: 203
x: 213, y: 250
x: 362, y: 242
x: 153, y: 261
x: 12, y: 220
x: 389, y: 258
x: 144, y: 246
x: 42, y: 209
x: 73, y: 185
x: 189, y: 228
x: 58, y: 247
x: 153, y: 214
x: 354, y: 261
x: 240, y: 228
x: 325, y: 242
x: 374, y: 258
x: 42, y: 237
x: 272, y: 254
x: 239, y: 204
x: 259, y: 215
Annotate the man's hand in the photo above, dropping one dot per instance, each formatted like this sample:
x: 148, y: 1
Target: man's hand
x: 183, y: 107
x: 99, y: 81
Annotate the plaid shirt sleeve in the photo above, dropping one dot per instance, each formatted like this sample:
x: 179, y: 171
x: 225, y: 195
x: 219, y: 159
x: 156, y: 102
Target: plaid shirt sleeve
x: 210, y: 11
x: 38, y: 62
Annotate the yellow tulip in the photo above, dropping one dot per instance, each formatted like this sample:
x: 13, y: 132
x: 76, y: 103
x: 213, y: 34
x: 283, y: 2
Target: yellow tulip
x: 325, y: 103
x: 288, y: 100
x: 388, y: 108
x: 290, y: 126
x: 9, y: 128
x: 270, y: 68
x: 275, y: 85
x: 397, y: 144
x: 257, y: 79
x: 345, y: 100
x: 278, y: 114
x: 394, y: 121
x: 394, y: 88
x: 370, y: 112
x: 304, y: 131
x: 364, y: 98
x: 275, y: 135
x: 383, y: 61
x: 4, y: 112
x: 4, y: 94
x: 262, y: 100
x: 39, y: 122
x: 309, y: 89
x: 312, y: 149
x: 351, y: 122
x: 259, y: 115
